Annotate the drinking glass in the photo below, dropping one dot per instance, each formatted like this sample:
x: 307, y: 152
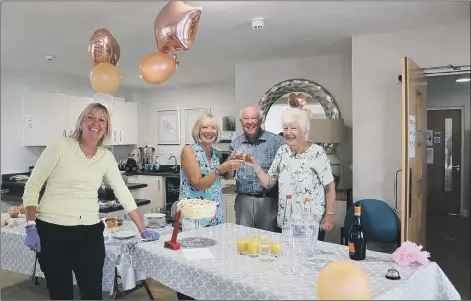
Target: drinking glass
x: 242, y: 172
x: 253, y: 246
x: 276, y: 247
x: 265, y: 248
x: 242, y: 241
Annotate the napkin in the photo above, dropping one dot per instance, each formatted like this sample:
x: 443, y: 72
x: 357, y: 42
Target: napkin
x: 197, y: 254
x: 130, y: 276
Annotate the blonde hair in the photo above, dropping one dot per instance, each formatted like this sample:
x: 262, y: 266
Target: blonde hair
x: 298, y: 116
x: 77, y: 134
x: 204, y: 120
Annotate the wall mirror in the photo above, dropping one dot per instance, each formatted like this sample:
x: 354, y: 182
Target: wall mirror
x: 318, y: 100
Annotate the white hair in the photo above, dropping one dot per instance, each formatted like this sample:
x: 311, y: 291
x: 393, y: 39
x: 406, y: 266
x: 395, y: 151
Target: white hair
x: 298, y: 116
x: 253, y: 106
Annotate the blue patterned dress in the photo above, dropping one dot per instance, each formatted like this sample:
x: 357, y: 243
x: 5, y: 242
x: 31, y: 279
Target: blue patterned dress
x: 214, y: 193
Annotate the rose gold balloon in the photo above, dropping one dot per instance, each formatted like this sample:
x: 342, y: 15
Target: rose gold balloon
x: 156, y: 68
x: 296, y: 100
x: 175, y: 27
x: 103, y: 48
x: 105, y: 78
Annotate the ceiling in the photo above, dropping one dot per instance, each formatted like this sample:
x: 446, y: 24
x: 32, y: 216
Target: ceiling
x: 31, y: 30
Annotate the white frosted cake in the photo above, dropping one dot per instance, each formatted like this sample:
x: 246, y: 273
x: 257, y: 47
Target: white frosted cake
x: 197, y: 209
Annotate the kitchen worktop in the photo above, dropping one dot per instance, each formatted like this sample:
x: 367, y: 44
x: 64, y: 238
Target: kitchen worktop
x: 154, y: 173
x: 117, y: 207
x: 6, y: 185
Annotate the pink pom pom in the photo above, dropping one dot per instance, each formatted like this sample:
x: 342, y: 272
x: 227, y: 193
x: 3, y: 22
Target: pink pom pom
x: 410, y: 253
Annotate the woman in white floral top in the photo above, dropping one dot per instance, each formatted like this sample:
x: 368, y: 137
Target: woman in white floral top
x: 302, y: 170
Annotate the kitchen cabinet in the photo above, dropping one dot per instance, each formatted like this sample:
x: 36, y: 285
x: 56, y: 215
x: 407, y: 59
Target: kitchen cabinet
x: 124, y: 123
x: 49, y: 116
x: 44, y: 118
x: 154, y: 191
x: 75, y: 106
x: 229, y: 201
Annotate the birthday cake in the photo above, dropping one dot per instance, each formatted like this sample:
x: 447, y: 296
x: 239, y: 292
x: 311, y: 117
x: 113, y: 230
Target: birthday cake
x: 197, y: 209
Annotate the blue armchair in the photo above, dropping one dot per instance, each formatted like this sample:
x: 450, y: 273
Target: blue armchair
x: 379, y: 221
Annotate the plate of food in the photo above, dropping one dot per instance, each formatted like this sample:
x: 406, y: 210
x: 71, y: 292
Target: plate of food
x: 123, y: 235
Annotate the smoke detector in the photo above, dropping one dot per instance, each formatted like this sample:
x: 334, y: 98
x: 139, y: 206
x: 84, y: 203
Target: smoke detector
x: 258, y: 23
x: 49, y: 58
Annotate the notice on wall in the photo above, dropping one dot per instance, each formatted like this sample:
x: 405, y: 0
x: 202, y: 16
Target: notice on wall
x: 429, y: 155
x: 412, y: 129
x: 429, y: 137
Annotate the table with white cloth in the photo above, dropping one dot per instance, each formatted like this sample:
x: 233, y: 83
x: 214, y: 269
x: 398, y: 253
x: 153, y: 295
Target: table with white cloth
x: 232, y: 276
x: 16, y: 257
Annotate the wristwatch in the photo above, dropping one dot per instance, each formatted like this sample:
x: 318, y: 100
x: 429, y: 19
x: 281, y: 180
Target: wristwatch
x: 30, y: 223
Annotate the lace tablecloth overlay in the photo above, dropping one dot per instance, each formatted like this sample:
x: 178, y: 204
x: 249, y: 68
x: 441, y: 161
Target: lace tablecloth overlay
x: 230, y: 276
x: 16, y: 257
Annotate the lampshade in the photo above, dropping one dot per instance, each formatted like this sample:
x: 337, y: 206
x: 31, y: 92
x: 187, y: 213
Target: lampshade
x: 327, y: 131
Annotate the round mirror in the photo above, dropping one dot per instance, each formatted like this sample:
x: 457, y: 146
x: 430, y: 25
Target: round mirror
x: 319, y: 102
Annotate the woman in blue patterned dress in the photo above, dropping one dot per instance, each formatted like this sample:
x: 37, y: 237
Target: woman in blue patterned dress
x: 200, y: 171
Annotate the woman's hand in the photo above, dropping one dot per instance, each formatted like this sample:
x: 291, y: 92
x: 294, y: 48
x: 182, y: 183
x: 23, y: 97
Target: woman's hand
x: 327, y: 223
x: 150, y: 235
x: 231, y: 165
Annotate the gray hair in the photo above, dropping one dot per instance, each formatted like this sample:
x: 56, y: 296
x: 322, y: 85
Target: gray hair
x: 77, y: 133
x: 206, y: 119
x: 251, y: 106
x: 298, y: 116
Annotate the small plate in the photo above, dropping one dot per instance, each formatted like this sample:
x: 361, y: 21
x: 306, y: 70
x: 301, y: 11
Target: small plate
x: 123, y: 235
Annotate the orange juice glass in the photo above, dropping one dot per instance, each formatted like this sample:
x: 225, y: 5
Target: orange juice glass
x: 242, y: 241
x: 253, y: 246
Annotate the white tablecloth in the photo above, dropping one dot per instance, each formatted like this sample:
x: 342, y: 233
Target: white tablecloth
x: 231, y: 276
x: 16, y: 257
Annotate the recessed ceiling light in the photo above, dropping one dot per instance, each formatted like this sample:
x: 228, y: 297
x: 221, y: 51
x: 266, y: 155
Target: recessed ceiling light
x: 463, y: 80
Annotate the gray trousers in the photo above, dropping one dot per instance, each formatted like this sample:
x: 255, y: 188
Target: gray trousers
x: 255, y: 212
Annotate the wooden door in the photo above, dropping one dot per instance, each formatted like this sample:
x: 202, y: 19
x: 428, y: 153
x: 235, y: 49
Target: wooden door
x: 414, y: 167
x: 444, y: 161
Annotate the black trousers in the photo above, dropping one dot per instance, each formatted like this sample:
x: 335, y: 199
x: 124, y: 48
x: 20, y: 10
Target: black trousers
x: 64, y: 249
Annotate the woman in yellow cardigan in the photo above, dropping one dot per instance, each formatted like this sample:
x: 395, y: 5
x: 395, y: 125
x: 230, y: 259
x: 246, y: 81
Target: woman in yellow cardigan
x: 65, y: 229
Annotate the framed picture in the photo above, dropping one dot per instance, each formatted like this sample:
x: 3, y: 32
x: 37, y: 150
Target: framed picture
x: 228, y: 129
x: 191, y: 115
x: 168, y: 127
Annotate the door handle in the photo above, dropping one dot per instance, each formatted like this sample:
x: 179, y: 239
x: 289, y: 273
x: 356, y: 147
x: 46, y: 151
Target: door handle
x: 395, y: 191
x: 457, y: 167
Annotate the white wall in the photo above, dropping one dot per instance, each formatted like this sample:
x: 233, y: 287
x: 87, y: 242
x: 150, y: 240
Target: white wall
x: 333, y: 72
x: 219, y: 97
x: 14, y: 156
x: 444, y: 91
x: 376, y: 98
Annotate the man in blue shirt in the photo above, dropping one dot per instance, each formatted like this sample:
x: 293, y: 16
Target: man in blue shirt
x: 255, y: 206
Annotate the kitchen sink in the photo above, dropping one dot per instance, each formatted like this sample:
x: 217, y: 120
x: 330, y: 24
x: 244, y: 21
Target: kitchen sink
x: 168, y: 169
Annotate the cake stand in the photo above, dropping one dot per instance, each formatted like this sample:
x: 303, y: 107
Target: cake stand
x: 197, y: 241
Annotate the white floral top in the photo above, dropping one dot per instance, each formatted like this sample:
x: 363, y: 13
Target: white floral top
x: 301, y: 175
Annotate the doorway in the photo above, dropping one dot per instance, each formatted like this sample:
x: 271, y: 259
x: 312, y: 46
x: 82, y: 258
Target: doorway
x: 448, y: 142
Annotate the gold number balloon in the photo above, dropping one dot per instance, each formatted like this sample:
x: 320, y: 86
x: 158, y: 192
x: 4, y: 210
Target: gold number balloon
x: 103, y: 48
x: 175, y: 27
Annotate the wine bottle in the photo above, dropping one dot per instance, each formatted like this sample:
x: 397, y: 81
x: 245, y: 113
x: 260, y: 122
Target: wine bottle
x: 356, y: 237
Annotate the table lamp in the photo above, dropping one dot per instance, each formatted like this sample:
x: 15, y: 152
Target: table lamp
x: 329, y: 131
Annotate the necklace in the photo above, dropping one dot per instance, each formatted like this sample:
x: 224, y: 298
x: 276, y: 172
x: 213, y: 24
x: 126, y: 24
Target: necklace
x: 86, y: 156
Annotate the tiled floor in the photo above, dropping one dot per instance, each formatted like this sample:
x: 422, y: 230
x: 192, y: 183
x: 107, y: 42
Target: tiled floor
x: 448, y: 242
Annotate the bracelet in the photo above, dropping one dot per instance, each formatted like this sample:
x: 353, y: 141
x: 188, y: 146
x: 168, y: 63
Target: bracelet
x: 218, y: 173
x: 330, y: 213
